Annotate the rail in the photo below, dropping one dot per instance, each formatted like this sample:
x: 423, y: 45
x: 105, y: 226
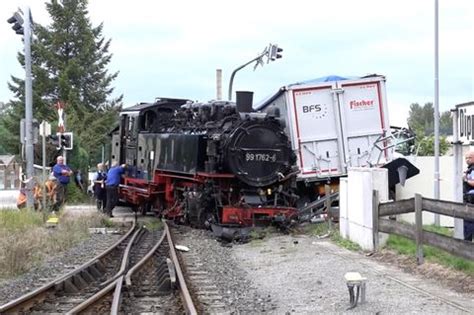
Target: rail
x: 418, y: 204
x: 111, y: 295
x: 23, y: 303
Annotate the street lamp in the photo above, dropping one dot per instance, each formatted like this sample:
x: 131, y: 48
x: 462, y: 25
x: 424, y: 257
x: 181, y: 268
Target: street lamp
x: 22, y: 26
x: 272, y: 52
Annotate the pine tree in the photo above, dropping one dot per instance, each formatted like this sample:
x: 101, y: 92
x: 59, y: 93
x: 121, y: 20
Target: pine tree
x: 69, y: 64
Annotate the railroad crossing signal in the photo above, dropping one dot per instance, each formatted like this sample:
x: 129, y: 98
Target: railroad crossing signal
x: 17, y: 21
x: 65, y: 140
x: 274, y: 52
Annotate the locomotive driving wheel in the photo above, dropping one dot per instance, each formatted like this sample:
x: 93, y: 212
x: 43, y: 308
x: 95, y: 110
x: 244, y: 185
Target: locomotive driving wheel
x: 198, y: 212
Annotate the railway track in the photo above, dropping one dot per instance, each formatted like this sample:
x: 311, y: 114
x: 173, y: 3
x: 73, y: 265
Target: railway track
x: 137, y: 274
x: 205, y: 290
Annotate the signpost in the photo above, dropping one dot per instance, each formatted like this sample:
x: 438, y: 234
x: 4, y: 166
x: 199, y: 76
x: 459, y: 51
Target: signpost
x: 463, y: 127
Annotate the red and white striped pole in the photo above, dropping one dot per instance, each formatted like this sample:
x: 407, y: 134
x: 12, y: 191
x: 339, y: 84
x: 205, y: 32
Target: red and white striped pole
x: 61, y: 124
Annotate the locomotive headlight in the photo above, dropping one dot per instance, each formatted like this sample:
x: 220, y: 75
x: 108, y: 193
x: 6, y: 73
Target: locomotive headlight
x: 269, y: 191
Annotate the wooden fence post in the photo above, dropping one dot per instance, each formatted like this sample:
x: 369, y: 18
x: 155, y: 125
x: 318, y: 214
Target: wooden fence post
x: 419, y: 228
x: 375, y: 218
x: 327, y: 191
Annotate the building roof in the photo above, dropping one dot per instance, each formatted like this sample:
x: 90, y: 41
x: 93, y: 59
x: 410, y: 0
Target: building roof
x: 6, y: 159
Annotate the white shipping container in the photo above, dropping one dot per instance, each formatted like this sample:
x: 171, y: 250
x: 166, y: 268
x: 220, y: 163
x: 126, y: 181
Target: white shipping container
x: 335, y: 123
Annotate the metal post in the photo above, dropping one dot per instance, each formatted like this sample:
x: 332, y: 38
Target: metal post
x: 258, y: 59
x: 103, y: 153
x: 375, y: 219
x: 233, y: 75
x: 28, y: 112
x: 436, y: 116
x: 43, y: 126
x: 457, y: 173
x: 327, y: 191
x: 219, y: 84
x: 64, y: 151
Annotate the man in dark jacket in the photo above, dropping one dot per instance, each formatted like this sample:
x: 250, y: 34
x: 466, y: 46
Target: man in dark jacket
x: 112, y: 183
x: 468, y: 189
x: 99, y: 187
x: 62, y: 172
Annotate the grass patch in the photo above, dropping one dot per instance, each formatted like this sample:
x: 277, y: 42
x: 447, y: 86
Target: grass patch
x: 322, y: 230
x: 153, y: 225
x: 339, y: 240
x: 406, y: 246
x: 25, y: 241
x: 258, y: 234
x: 20, y: 220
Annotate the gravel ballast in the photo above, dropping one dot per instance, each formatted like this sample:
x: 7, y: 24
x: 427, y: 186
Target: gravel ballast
x: 281, y: 274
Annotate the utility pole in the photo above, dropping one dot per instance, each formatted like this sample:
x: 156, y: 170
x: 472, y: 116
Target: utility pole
x: 436, y: 114
x: 23, y: 27
x: 219, y: 84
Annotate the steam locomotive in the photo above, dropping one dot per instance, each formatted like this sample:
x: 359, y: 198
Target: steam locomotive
x: 206, y: 163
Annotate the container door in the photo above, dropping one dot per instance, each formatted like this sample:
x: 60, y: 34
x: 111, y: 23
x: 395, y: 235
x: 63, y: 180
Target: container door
x: 363, y: 122
x: 316, y: 131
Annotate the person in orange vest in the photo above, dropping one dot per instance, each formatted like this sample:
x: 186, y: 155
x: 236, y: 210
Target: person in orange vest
x: 22, y: 200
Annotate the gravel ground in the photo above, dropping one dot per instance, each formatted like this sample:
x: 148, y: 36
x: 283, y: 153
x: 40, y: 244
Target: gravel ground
x: 305, y: 275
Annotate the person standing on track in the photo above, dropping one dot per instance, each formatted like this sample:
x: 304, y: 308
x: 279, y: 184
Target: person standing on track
x: 112, y: 183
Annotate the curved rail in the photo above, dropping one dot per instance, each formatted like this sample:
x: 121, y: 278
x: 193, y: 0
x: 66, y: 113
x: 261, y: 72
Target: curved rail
x: 111, y: 296
x: 28, y: 300
x: 112, y: 282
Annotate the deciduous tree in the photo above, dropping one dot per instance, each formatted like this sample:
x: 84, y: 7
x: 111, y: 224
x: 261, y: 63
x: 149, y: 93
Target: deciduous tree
x: 421, y: 120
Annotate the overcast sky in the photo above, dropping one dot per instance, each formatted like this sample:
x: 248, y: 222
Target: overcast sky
x: 173, y: 48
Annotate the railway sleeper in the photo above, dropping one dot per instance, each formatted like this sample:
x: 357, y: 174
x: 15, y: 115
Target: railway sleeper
x: 94, y: 271
x: 87, y: 276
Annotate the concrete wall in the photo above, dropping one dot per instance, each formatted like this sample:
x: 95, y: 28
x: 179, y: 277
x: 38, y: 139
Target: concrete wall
x: 355, y: 216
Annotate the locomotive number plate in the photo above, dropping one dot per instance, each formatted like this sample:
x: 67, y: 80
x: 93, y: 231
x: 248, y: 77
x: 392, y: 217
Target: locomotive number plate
x: 260, y: 157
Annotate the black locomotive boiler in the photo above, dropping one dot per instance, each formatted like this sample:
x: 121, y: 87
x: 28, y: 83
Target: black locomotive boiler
x: 202, y: 163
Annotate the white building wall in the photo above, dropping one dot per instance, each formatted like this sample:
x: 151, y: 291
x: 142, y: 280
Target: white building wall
x: 423, y: 184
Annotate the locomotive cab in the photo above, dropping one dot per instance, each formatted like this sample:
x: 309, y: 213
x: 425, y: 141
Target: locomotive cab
x: 130, y: 141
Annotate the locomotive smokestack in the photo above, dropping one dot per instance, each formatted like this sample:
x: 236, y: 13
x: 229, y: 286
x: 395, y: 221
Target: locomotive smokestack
x: 244, y: 101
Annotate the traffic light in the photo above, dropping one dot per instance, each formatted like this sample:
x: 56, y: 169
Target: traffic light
x: 17, y: 22
x: 66, y: 140
x: 274, y: 52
